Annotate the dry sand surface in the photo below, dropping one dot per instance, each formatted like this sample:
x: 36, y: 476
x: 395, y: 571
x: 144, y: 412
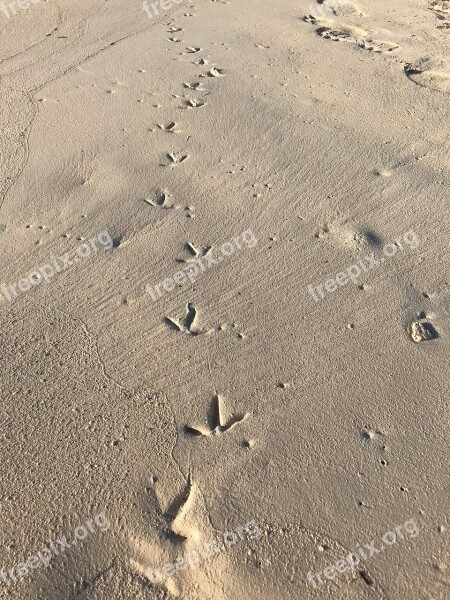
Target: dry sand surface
x: 225, y: 299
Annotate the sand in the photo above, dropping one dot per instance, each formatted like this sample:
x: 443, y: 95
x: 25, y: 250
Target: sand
x: 225, y: 300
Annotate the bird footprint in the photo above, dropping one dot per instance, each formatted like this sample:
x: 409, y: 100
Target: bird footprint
x: 191, y: 103
x: 217, y: 423
x: 170, y: 127
x: 193, y: 86
x: 186, y: 324
x: 179, y: 506
x: 174, y: 159
x: 216, y: 73
x: 160, y: 200
x: 195, y: 254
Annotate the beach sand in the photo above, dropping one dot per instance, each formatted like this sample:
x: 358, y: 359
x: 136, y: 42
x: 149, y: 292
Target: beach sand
x: 236, y: 334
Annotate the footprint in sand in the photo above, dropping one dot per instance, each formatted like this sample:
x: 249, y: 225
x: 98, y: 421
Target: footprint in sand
x: 216, y: 73
x: 194, y: 252
x: 442, y: 11
x: 369, y: 434
x: 151, y: 555
x: 233, y: 328
x: 427, y: 71
x: 435, y: 80
x: 323, y: 232
x: 186, y: 324
x: 378, y: 45
x: 422, y: 331
x: 191, y: 103
x: 159, y: 199
x: 361, y: 240
x: 340, y: 32
x: 353, y: 236
x: 170, y: 127
x: 166, y: 558
x: 441, y: 8
x: 193, y: 86
x: 172, y: 159
x: 216, y: 422
x: 179, y: 506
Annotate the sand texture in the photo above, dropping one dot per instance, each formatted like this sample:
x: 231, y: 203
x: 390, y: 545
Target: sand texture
x: 225, y: 299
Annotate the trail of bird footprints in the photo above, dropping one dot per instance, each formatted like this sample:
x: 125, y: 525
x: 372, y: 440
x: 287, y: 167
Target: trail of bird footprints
x: 160, y: 199
x: 172, y: 159
x: 424, y: 72
x: 170, y: 523
x: 172, y: 520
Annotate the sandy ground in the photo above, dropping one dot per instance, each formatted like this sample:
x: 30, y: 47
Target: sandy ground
x: 176, y: 402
